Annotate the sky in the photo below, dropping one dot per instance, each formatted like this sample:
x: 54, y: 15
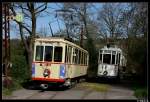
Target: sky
x: 49, y: 18
x: 45, y: 20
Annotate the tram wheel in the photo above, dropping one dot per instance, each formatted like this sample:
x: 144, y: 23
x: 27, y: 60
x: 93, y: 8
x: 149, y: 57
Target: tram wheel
x: 72, y: 84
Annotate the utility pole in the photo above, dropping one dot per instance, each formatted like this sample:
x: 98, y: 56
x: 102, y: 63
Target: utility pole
x: 6, y: 41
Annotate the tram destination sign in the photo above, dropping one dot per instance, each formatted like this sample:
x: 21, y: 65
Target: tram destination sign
x: 18, y: 17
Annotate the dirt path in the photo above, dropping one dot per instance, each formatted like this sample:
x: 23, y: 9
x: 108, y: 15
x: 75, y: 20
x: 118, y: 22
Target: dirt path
x: 78, y: 92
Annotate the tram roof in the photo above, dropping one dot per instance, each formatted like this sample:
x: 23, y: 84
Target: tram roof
x: 111, y: 48
x: 58, y: 39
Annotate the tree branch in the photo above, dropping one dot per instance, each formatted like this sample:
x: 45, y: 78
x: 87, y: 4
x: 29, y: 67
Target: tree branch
x: 36, y: 10
x: 24, y: 27
x: 28, y: 5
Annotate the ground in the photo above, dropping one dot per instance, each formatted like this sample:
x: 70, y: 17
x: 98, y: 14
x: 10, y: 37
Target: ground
x: 84, y: 90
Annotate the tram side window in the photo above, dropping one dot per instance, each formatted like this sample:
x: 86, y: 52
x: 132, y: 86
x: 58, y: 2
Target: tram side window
x: 58, y: 54
x: 100, y: 58
x: 82, y: 62
x: 76, y: 57
x: 69, y: 54
x: 66, y: 54
x: 119, y: 58
x: 106, y: 58
x: 113, y: 59
x: 79, y: 58
x: 85, y: 59
x: 48, y: 53
x: 39, y: 53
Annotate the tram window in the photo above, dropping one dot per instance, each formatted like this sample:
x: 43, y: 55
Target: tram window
x: 69, y: 54
x: 113, y: 59
x: 85, y: 59
x: 119, y: 58
x: 66, y: 54
x: 76, y: 57
x: 48, y: 53
x: 82, y: 58
x: 100, y: 57
x: 58, y: 54
x: 39, y: 53
x: 79, y: 58
x: 106, y: 58
x: 101, y: 51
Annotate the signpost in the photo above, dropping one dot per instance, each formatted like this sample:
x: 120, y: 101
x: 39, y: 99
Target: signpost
x: 6, y: 40
x: 18, y: 17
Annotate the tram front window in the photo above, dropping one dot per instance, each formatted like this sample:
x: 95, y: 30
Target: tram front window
x: 39, y: 53
x: 113, y: 59
x: 106, y: 58
x: 58, y: 54
x: 48, y: 53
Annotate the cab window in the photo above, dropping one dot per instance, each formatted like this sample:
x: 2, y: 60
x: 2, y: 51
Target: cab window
x: 39, y: 53
x: 58, y: 54
x: 48, y: 53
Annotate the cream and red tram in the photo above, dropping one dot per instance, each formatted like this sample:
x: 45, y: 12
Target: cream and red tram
x: 111, y: 62
x: 57, y: 60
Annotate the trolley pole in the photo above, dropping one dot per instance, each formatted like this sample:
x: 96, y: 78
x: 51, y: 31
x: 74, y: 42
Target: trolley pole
x: 81, y: 37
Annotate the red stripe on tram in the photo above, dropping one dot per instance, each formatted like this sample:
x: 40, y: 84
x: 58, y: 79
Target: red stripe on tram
x: 49, y: 79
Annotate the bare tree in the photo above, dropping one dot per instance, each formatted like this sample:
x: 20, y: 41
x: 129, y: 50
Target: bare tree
x: 43, y: 31
x: 109, y: 20
x: 31, y: 11
x: 75, y: 16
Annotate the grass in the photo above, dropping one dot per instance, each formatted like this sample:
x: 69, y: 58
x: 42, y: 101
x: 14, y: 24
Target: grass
x: 96, y: 86
x: 6, y: 92
x: 140, y: 91
x: 14, y: 86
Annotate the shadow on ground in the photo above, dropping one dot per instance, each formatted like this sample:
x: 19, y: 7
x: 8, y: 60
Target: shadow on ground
x: 121, y: 82
x: 31, y: 85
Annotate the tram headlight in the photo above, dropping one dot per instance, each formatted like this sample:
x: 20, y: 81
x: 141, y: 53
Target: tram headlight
x: 105, y: 73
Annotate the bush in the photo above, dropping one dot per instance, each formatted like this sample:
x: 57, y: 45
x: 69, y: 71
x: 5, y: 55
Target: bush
x: 137, y: 59
x: 139, y: 90
x: 19, y: 70
x: 92, y: 57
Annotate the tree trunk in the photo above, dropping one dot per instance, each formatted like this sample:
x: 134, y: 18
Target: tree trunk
x: 30, y: 57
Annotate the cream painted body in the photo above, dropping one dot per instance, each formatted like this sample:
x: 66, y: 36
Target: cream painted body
x: 111, y: 69
x: 71, y: 70
x: 54, y: 70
